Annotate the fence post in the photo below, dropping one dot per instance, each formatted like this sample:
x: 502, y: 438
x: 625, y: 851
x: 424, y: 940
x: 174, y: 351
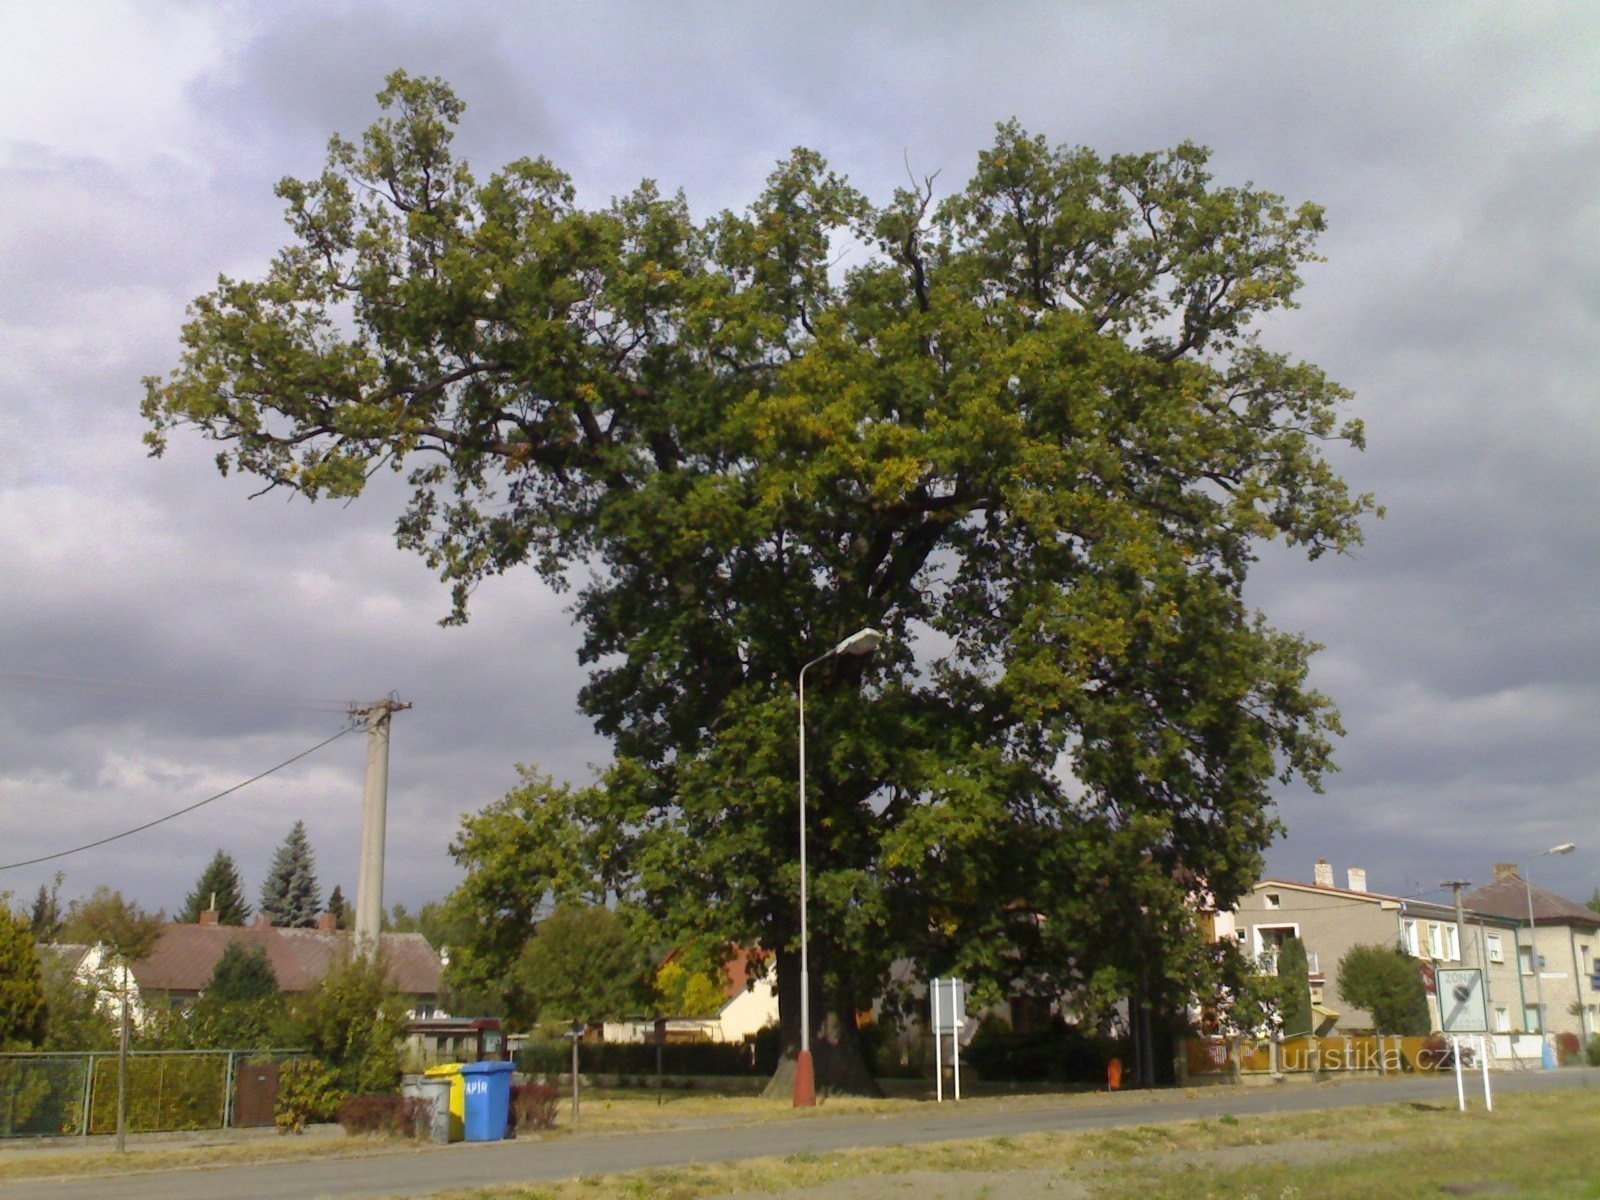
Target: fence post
x: 88, y: 1093
x: 227, y: 1090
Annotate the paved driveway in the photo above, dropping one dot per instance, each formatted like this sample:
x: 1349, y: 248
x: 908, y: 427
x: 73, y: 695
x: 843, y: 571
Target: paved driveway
x: 418, y: 1173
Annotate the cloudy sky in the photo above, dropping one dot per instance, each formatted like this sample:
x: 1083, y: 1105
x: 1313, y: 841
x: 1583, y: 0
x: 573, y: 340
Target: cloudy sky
x: 162, y: 637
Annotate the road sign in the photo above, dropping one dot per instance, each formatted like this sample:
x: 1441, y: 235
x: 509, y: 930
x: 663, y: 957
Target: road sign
x: 949, y: 1005
x: 1462, y: 1008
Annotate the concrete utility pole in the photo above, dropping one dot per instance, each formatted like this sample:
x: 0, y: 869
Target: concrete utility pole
x: 374, y: 816
x: 1455, y: 885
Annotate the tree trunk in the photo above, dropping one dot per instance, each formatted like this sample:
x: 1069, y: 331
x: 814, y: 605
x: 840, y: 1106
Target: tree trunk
x: 837, y: 1061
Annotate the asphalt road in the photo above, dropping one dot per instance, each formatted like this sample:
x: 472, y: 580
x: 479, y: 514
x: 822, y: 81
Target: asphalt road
x: 413, y: 1173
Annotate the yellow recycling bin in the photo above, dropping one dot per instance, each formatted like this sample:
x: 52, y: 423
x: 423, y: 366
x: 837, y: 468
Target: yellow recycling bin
x: 458, y: 1097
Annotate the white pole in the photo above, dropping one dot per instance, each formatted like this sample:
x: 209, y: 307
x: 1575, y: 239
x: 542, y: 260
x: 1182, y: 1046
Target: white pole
x: 1488, y: 1099
x: 938, y: 1050
x: 955, y: 1048
x: 1461, y: 1092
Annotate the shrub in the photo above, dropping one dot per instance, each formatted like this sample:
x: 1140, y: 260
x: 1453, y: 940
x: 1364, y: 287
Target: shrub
x: 1386, y: 982
x: 389, y: 1115
x: 533, y: 1106
x: 1569, y: 1049
x: 1060, y: 1053
x: 1592, y: 1051
x: 307, y: 1091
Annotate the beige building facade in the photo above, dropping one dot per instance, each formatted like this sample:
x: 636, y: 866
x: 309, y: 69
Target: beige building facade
x: 1330, y: 920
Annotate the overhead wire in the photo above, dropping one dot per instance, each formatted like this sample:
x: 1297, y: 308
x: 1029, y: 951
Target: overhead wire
x: 171, y: 691
x: 180, y: 812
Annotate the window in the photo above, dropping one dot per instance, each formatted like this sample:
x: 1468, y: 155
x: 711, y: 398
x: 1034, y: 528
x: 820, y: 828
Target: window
x: 1584, y: 951
x: 1497, y: 952
x: 1594, y: 1018
x: 1530, y: 1019
x: 1452, y: 943
x: 1435, y: 939
x: 1274, y: 900
x: 1525, y: 954
x: 1502, y: 1019
x: 1413, y: 942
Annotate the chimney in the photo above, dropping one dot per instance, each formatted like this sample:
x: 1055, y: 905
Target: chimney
x: 1322, y: 874
x: 327, y: 922
x: 210, y: 917
x: 1358, y: 879
x: 1505, y: 871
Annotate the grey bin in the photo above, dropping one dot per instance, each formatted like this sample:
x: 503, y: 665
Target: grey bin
x: 437, y: 1093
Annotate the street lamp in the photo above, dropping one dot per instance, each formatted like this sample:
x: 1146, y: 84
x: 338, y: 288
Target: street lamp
x: 1533, y: 951
x: 863, y: 641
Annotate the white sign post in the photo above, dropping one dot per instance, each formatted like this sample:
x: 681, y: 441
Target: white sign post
x: 1463, y: 1009
x: 949, y: 998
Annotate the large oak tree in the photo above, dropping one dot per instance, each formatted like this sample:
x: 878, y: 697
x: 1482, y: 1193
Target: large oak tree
x: 1028, y: 431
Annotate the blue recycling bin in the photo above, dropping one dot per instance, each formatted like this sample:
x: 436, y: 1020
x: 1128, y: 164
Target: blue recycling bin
x: 488, y: 1100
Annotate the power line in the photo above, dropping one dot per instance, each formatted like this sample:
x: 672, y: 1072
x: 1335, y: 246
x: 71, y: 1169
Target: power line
x: 197, y: 804
x: 168, y: 690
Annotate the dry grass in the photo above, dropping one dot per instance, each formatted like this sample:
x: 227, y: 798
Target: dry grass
x: 1539, y: 1146
x: 48, y: 1164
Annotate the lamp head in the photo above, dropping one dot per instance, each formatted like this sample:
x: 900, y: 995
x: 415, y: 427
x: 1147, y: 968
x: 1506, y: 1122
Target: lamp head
x: 1563, y: 848
x: 862, y: 641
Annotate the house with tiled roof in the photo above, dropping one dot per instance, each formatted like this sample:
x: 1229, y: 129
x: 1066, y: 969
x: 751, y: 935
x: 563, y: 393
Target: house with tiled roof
x: 1558, y: 960
x: 179, y: 967
x: 749, y: 1004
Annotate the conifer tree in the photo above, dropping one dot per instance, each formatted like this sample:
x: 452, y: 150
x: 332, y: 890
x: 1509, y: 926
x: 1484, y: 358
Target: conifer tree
x: 336, y: 906
x: 290, y: 895
x: 218, y: 887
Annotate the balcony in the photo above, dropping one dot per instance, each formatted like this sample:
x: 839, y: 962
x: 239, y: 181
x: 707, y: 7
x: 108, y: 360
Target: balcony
x: 1267, y: 963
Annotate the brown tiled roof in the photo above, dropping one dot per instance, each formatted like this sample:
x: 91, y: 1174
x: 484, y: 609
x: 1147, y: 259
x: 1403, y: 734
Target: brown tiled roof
x: 185, y: 956
x: 1508, y: 897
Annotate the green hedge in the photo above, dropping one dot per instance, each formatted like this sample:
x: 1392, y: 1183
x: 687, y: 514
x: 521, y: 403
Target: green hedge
x: 165, y: 1092
x: 756, y: 1058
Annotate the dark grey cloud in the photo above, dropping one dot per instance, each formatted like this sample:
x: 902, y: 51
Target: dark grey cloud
x: 1457, y: 150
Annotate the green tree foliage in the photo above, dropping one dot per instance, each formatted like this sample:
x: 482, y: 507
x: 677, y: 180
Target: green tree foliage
x: 1385, y: 981
x: 583, y: 963
x: 1294, y: 970
x: 73, y: 1019
x: 290, y: 895
x: 351, y: 1022
x: 1594, y: 901
x: 22, y: 997
x: 218, y: 886
x: 681, y: 992
x: 539, y: 842
x: 106, y: 918
x: 242, y: 973
x: 46, y: 917
x: 336, y: 906
x: 1033, y: 420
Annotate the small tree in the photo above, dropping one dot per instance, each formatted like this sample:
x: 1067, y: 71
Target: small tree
x: 22, y: 1005
x: 336, y: 906
x: 1294, y: 970
x: 1386, y: 981
x: 681, y: 992
x: 585, y: 964
x: 290, y: 895
x: 243, y: 973
x: 219, y: 888
x: 352, y: 1021
x: 242, y: 1006
x: 46, y: 918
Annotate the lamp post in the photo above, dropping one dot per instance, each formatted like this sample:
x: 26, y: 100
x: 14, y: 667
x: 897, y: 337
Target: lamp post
x: 1533, y: 951
x: 863, y: 641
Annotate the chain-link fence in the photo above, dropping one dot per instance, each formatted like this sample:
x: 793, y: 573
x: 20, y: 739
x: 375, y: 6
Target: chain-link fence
x: 58, y: 1095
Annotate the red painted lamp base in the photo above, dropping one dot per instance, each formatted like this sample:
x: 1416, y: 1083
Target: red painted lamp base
x: 805, y: 1081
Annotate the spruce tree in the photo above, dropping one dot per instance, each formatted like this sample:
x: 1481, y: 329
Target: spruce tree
x: 336, y: 906
x: 290, y: 895
x: 221, y: 880
x: 46, y: 917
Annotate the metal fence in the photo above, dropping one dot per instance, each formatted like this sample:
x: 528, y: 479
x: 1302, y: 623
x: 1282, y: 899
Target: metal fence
x: 74, y: 1095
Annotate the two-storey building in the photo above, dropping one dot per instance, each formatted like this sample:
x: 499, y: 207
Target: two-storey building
x: 1329, y: 920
